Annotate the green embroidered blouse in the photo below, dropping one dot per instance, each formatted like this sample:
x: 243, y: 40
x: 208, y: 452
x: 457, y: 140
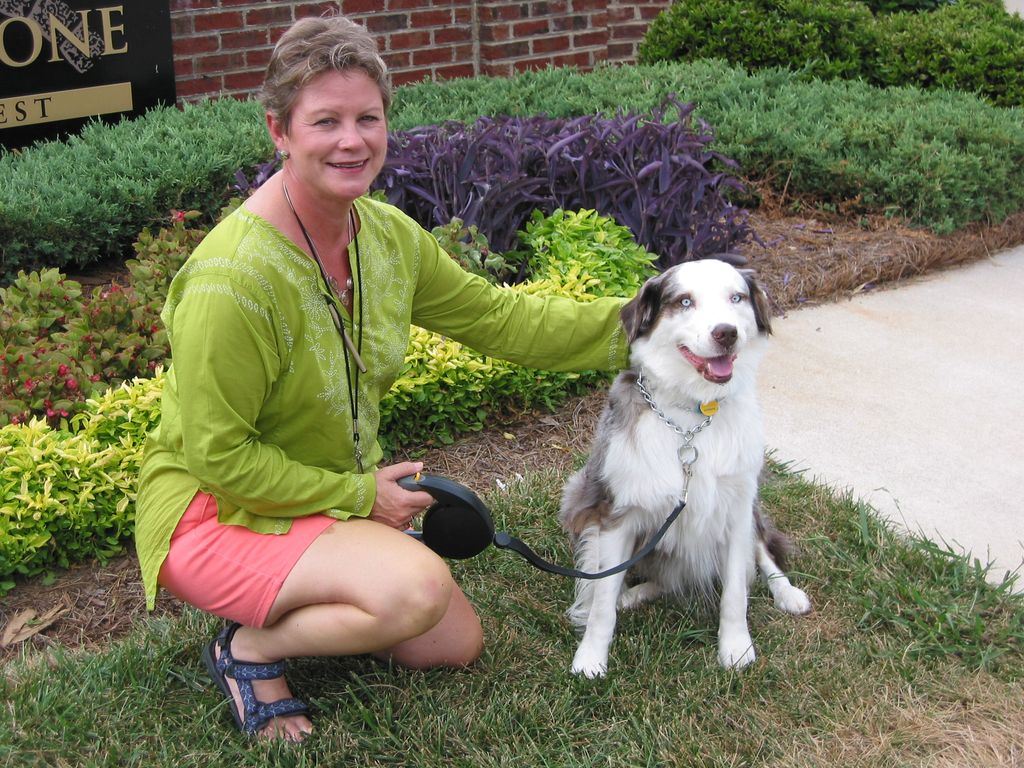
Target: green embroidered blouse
x: 256, y: 406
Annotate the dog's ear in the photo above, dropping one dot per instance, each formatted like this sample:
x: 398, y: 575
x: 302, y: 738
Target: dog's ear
x: 759, y: 300
x: 639, y: 315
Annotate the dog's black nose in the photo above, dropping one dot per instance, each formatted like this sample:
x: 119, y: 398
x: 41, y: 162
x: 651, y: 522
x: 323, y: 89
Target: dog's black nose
x: 724, y: 335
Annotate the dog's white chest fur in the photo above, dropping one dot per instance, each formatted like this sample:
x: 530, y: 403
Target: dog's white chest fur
x: 646, y: 465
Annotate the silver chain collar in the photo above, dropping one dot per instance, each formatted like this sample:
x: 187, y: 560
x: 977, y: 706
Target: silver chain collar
x: 687, y: 452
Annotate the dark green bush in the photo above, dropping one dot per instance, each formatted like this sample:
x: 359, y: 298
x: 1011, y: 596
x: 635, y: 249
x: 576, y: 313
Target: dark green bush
x: 74, y: 203
x: 827, y: 38
x: 923, y: 6
x: 895, y: 6
x: 970, y: 46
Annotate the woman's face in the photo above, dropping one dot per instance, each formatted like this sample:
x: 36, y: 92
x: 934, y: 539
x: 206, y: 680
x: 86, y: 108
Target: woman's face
x: 337, y: 135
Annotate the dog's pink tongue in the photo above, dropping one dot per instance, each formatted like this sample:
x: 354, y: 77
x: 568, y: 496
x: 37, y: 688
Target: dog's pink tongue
x: 720, y: 367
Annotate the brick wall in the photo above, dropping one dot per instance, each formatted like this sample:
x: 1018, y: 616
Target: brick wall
x: 221, y: 46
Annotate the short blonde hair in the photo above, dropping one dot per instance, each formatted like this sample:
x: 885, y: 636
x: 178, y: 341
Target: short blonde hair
x: 315, y: 45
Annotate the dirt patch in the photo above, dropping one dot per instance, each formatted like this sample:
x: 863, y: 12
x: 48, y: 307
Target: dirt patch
x: 981, y: 723
x: 97, y: 603
x: 803, y: 260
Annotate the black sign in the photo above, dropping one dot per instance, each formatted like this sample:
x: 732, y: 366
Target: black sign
x: 63, y: 62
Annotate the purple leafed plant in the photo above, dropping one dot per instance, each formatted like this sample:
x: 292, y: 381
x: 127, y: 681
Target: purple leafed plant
x: 244, y: 186
x: 658, y: 178
x: 492, y: 174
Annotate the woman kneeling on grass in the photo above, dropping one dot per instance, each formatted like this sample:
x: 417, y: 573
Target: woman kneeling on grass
x: 261, y: 498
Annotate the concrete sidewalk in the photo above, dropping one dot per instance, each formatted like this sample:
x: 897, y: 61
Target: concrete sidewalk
x: 913, y: 398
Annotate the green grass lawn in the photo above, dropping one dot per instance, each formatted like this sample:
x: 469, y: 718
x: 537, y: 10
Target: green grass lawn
x: 910, y: 658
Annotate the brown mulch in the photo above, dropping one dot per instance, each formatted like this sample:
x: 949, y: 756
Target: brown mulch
x: 822, y: 259
x: 805, y: 259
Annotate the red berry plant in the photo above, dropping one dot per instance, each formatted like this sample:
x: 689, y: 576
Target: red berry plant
x: 60, y: 347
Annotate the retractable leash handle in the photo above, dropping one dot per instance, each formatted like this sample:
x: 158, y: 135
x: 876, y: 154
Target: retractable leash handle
x: 458, y: 525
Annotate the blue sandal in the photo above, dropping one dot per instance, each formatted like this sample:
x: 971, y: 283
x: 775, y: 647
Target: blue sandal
x: 255, y: 714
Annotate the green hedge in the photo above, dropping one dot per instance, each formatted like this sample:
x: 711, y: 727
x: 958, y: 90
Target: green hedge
x: 71, y: 204
x: 943, y: 160
x: 974, y: 47
x: 827, y: 37
x: 960, y: 47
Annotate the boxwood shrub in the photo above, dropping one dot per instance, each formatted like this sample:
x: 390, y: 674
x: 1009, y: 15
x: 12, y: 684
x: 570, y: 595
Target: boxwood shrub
x: 828, y: 38
x: 964, y: 47
x: 970, y: 46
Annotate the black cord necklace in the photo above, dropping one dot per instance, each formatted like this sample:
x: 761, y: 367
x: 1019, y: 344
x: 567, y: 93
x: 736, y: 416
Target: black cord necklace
x: 351, y: 350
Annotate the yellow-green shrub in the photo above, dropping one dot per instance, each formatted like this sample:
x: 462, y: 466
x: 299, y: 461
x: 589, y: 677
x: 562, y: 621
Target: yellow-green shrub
x: 447, y: 389
x: 68, y: 497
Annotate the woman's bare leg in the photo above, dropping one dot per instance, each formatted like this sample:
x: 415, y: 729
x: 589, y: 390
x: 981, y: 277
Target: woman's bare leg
x: 362, y: 587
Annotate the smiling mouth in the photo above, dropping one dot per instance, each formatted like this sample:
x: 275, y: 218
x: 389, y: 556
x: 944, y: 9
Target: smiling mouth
x: 349, y: 166
x: 717, y: 370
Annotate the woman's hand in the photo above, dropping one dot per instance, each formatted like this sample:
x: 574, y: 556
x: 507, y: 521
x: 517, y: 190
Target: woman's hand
x: 395, y: 506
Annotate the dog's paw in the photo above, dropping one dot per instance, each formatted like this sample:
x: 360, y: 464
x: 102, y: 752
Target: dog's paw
x: 736, y: 652
x: 638, y: 595
x: 793, y: 600
x: 589, y: 664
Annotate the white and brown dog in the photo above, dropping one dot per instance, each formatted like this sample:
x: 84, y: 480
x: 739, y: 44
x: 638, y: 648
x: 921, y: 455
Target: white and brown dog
x: 683, y: 422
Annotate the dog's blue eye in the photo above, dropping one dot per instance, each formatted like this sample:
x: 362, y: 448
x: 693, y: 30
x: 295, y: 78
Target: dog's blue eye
x: 737, y: 298
x: 686, y: 301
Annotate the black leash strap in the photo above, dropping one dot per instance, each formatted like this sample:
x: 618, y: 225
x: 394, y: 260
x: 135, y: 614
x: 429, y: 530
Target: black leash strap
x: 505, y: 541
x: 458, y: 525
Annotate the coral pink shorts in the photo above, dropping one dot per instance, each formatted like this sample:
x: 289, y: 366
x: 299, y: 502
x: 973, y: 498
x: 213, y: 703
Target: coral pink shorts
x: 228, y: 570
